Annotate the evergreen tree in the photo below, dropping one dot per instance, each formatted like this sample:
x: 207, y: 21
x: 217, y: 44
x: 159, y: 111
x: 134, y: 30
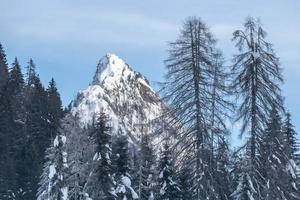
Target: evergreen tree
x: 36, y: 140
x: 245, y: 189
x: 291, y: 144
x: 168, y: 187
x: 80, y: 151
x: 16, y: 91
x: 53, y: 184
x: 3, y: 67
x: 54, y: 109
x: 121, y: 162
x: 185, y: 183
x: 7, y: 162
x: 15, y: 95
x: 101, y: 183
x: 257, y: 84
x: 222, y: 174
x: 30, y: 73
x: 277, y: 169
x: 146, y: 170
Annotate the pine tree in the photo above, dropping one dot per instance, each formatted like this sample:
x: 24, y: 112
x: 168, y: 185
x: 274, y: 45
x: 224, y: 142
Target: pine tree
x: 101, y: 184
x: 257, y: 84
x: 168, y: 187
x: 121, y: 162
x: 3, y: 67
x: 146, y: 188
x: 53, y: 184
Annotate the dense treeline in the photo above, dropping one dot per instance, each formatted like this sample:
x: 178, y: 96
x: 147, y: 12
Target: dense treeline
x: 29, y: 118
x: 84, y: 163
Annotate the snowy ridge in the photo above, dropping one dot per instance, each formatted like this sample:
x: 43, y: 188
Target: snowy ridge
x: 123, y: 94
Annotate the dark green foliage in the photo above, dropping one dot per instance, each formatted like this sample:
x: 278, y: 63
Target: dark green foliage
x: 3, y: 67
x: 7, y: 161
x: 16, y: 91
x: 26, y: 129
x: 291, y: 144
x: 102, y: 185
x: 54, y: 109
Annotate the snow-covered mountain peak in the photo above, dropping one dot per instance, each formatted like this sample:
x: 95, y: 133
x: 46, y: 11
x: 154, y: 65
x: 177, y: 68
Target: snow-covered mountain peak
x: 122, y: 93
x: 110, y: 69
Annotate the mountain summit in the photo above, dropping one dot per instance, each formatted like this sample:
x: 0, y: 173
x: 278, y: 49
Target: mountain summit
x: 123, y: 94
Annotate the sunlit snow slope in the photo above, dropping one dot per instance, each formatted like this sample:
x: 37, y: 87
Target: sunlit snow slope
x: 123, y: 94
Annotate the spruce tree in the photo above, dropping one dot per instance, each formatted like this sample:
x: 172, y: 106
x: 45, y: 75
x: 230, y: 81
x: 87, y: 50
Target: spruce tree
x: 30, y: 73
x: 291, y: 144
x: 53, y: 183
x: 54, y: 109
x: 101, y: 183
x: 167, y: 184
x: 121, y: 161
x: 8, y: 185
x: 37, y: 135
x: 256, y: 83
x: 146, y: 172
x: 16, y: 91
x: 3, y: 67
x: 222, y: 174
x: 278, y: 171
x: 80, y: 151
x: 185, y: 183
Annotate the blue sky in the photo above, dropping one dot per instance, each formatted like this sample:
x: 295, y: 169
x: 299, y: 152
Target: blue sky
x: 66, y: 38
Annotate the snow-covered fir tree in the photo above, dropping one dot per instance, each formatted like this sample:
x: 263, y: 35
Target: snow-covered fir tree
x: 245, y: 189
x: 291, y: 143
x: 121, y: 161
x: 292, y: 147
x: 168, y: 188
x: 146, y: 189
x: 53, y: 184
x: 277, y: 169
x: 185, y: 183
x: 101, y: 183
x: 80, y: 151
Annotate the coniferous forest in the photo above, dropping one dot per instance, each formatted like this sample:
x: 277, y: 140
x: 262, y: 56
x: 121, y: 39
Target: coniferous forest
x: 120, y: 140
